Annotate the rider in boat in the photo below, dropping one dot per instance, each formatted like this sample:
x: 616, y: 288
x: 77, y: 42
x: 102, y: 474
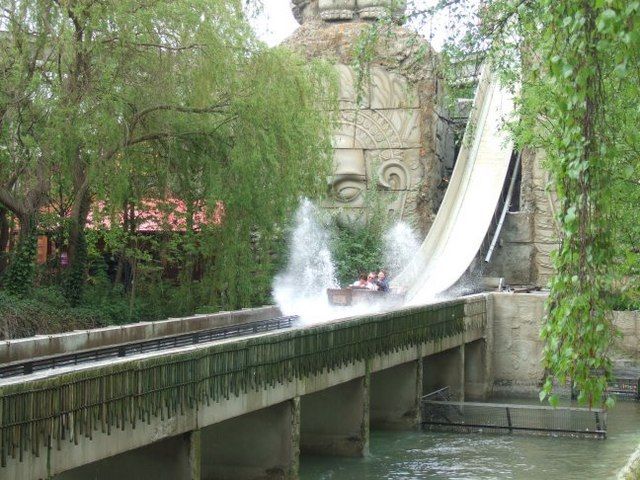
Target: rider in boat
x: 381, y: 281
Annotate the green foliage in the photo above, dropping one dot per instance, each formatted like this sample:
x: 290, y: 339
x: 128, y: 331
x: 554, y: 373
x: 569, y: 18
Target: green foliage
x: 44, y: 313
x: 75, y: 277
x: 18, y: 278
x: 358, y: 243
x: 576, y: 63
x: 108, y: 105
x: 357, y: 248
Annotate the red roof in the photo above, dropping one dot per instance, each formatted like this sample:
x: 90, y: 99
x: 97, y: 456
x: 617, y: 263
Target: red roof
x: 161, y: 215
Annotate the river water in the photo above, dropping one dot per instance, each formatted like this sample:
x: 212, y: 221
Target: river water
x: 429, y: 455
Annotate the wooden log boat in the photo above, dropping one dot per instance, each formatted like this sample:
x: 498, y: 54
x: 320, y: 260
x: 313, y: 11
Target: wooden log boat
x: 344, y: 297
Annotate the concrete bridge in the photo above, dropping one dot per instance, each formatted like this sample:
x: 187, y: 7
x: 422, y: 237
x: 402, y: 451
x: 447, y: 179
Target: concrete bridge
x: 244, y: 408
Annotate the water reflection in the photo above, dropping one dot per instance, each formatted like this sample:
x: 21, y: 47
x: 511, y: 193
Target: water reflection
x: 417, y: 455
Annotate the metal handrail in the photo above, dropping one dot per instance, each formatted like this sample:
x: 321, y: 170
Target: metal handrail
x: 505, y: 208
x: 22, y: 367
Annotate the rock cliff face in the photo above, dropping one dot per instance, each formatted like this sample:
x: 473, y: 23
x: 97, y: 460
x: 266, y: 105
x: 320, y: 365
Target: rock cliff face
x: 386, y: 135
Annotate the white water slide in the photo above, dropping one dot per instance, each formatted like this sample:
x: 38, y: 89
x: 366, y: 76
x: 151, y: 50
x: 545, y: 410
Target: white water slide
x: 471, y: 199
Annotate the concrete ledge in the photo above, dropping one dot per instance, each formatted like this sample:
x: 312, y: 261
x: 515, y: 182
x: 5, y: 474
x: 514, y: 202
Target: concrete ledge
x: 45, y: 345
x: 631, y: 470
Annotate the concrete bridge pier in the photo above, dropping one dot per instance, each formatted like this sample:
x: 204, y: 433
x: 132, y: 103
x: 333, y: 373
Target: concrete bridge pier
x: 476, y: 374
x: 262, y: 444
x: 335, y: 421
x: 444, y: 369
x: 395, y: 397
x: 169, y: 459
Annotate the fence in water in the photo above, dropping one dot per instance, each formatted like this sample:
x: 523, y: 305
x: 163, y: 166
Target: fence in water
x: 625, y: 387
x: 439, y: 414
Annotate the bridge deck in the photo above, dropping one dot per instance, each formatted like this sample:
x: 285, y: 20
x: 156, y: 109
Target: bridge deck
x: 55, y: 412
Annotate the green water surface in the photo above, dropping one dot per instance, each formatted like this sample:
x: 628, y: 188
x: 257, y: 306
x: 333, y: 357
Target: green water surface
x: 429, y: 455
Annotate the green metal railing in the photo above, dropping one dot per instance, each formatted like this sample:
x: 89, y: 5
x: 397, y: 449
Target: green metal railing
x: 42, y: 413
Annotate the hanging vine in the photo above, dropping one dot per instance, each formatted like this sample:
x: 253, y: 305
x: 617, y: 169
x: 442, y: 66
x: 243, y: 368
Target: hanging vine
x: 577, y: 63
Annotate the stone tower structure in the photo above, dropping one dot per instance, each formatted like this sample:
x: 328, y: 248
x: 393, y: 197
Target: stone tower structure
x: 389, y: 131
x: 395, y: 135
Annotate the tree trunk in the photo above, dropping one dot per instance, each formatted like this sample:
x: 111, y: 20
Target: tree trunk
x: 4, y: 237
x: 75, y: 280
x: 20, y: 272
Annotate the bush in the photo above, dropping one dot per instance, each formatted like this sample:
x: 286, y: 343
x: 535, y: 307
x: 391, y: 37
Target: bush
x: 356, y: 248
x: 24, y: 317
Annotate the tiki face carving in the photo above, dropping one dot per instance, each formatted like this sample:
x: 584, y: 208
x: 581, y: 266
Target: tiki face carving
x: 377, y: 144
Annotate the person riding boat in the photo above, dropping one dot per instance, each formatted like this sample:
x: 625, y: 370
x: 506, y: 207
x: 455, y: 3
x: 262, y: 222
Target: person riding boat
x: 361, y: 282
x: 381, y: 281
x: 371, y: 281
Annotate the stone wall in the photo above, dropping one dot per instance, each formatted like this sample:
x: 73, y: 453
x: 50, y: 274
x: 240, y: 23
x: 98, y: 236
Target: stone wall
x: 529, y: 235
x: 629, y: 325
x: 513, y: 256
x: 517, y: 348
x: 387, y: 127
x: 540, y: 202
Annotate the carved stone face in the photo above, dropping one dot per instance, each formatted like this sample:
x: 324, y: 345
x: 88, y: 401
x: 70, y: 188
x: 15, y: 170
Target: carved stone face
x: 377, y: 145
x: 345, y: 10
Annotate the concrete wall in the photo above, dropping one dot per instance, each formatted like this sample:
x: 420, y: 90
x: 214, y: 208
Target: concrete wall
x: 445, y: 369
x: 477, y: 384
x: 262, y: 444
x: 168, y: 459
x: 395, y: 396
x: 517, y: 348
x: 629, y: 325
x: 335, y: 421
x: 45, y: 345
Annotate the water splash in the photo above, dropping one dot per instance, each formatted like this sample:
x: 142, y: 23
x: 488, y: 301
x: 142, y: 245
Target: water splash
x: 401, y: 244
x: 301, y: 288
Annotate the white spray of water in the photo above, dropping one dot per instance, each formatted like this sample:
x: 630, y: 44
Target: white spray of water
x: 301, y: 289
x: 401, y: 244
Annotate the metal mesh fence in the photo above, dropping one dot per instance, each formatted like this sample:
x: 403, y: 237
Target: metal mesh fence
x: 513, y: 418
x: 626, y: 387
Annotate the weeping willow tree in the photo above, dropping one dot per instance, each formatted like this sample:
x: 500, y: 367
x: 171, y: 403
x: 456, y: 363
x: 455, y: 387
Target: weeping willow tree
x: 114, y: 101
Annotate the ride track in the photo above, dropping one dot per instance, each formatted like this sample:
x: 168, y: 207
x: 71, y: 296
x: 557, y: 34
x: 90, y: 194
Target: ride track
x: 472, y: 200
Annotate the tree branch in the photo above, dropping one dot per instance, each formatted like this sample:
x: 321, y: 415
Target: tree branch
x: 12, y: 203
x: 221, y: 107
